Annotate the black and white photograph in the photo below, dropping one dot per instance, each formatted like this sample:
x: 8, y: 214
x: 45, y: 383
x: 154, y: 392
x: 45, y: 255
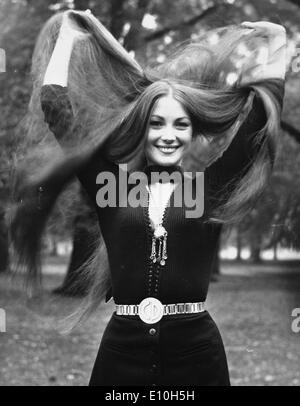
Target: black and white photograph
x: 150, y: 195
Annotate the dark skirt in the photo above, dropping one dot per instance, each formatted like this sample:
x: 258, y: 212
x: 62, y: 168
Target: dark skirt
x: 178, y: 350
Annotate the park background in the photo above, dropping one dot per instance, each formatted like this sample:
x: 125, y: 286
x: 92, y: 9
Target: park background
x: 256, y: 282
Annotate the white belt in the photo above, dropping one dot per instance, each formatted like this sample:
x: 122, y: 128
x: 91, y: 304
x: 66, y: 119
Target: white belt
x: 151, y: 310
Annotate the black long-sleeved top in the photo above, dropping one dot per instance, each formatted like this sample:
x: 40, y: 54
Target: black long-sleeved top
x: 191, y: 244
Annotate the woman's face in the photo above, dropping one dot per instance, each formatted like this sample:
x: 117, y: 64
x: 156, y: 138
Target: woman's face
x: 169, y: 133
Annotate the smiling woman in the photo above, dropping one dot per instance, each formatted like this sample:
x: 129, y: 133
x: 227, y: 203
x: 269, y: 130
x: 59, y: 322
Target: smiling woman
x: 170, y: 132
x: 105, y: 110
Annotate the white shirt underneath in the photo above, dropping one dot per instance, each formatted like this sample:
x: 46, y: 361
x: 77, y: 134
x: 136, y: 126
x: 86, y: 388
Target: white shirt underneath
x: 158, y: 201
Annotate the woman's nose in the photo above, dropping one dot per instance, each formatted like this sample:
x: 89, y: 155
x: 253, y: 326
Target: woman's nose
x: 168, y: 135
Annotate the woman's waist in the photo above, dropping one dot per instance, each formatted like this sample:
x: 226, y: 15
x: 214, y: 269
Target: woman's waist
x: 169, y: 289
x: 173, y: 334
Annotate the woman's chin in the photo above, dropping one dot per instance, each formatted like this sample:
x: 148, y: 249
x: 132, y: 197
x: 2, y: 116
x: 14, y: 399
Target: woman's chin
x: 166, y: 160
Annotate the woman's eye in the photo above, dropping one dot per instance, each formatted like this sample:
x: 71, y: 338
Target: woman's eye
x: 182, y: 126
x: 156, y: 123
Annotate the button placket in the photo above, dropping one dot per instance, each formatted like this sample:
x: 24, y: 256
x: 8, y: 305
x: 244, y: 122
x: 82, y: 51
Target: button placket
x: 153, y: 274
x: 154, y: 351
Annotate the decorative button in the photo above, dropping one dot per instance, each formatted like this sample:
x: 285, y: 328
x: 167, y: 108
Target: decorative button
x: 152, y: 331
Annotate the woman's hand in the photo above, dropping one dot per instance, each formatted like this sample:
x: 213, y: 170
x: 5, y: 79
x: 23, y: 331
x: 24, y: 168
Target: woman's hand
x: 206, y: 151
x: 271, y: 30
x: 69, y: 28
x: 58, y: 68
x: 274, y: 65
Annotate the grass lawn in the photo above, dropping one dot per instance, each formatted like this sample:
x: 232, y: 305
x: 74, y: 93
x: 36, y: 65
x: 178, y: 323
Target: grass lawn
x: 251, y: 307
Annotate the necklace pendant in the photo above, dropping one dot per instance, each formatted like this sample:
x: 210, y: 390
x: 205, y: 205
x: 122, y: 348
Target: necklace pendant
x: 164, y: 251
x: 159, y: 238
x: 160, y: 231
x: 153, y: 250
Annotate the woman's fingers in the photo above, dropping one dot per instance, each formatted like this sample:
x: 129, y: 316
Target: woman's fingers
x: 265, y: 27
x: 70, y: 27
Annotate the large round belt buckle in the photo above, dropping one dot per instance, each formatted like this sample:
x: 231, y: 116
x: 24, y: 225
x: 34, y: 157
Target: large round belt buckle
x: 151, y: 310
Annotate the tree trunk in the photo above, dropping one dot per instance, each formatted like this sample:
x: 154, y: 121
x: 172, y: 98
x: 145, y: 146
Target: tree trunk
x: 75, y: 284
x: 275, y: 247
x: 134, y: 40
x: 216, y: 263
x: 255, y: 255
x: 4, y: 252
x: 238, y: 245
x: 54, y: 248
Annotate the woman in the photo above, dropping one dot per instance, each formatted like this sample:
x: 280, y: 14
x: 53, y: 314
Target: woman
x: 159, y: 261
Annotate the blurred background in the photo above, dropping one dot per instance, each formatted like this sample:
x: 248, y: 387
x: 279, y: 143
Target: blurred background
x: 256, y: 280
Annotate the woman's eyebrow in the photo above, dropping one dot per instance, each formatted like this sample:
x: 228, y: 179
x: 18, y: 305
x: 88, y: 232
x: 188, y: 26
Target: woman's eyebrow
x: 178, y: 118
x: 157, y: 116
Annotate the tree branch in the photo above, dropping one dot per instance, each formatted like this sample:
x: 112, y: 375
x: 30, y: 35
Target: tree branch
x: 117, y: 17
x: 134, y: 38
x: 81, y: 4
x: 296, y: 2
x: 178, y: 26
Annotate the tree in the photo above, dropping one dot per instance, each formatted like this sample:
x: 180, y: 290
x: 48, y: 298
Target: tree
x: 275, y: 220
x: 3, y: 244
x: 83, y: 246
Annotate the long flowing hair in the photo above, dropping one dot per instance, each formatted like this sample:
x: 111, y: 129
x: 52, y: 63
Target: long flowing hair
x: 111, y: 99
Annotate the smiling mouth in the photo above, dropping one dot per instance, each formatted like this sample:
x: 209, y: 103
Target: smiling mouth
x: 167, y: 150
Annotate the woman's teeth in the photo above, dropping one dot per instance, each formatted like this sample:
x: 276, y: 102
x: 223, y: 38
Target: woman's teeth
x: 167, y: 149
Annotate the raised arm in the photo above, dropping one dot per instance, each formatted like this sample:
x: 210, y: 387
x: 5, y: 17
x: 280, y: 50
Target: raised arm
x: 58, y: 67
x: 274, y: 65
x: 57, y: 108
x: 54, y: 98
x: 239, y: 150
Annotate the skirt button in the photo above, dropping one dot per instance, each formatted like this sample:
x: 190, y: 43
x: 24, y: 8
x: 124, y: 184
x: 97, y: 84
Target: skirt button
x: 152, y: 331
